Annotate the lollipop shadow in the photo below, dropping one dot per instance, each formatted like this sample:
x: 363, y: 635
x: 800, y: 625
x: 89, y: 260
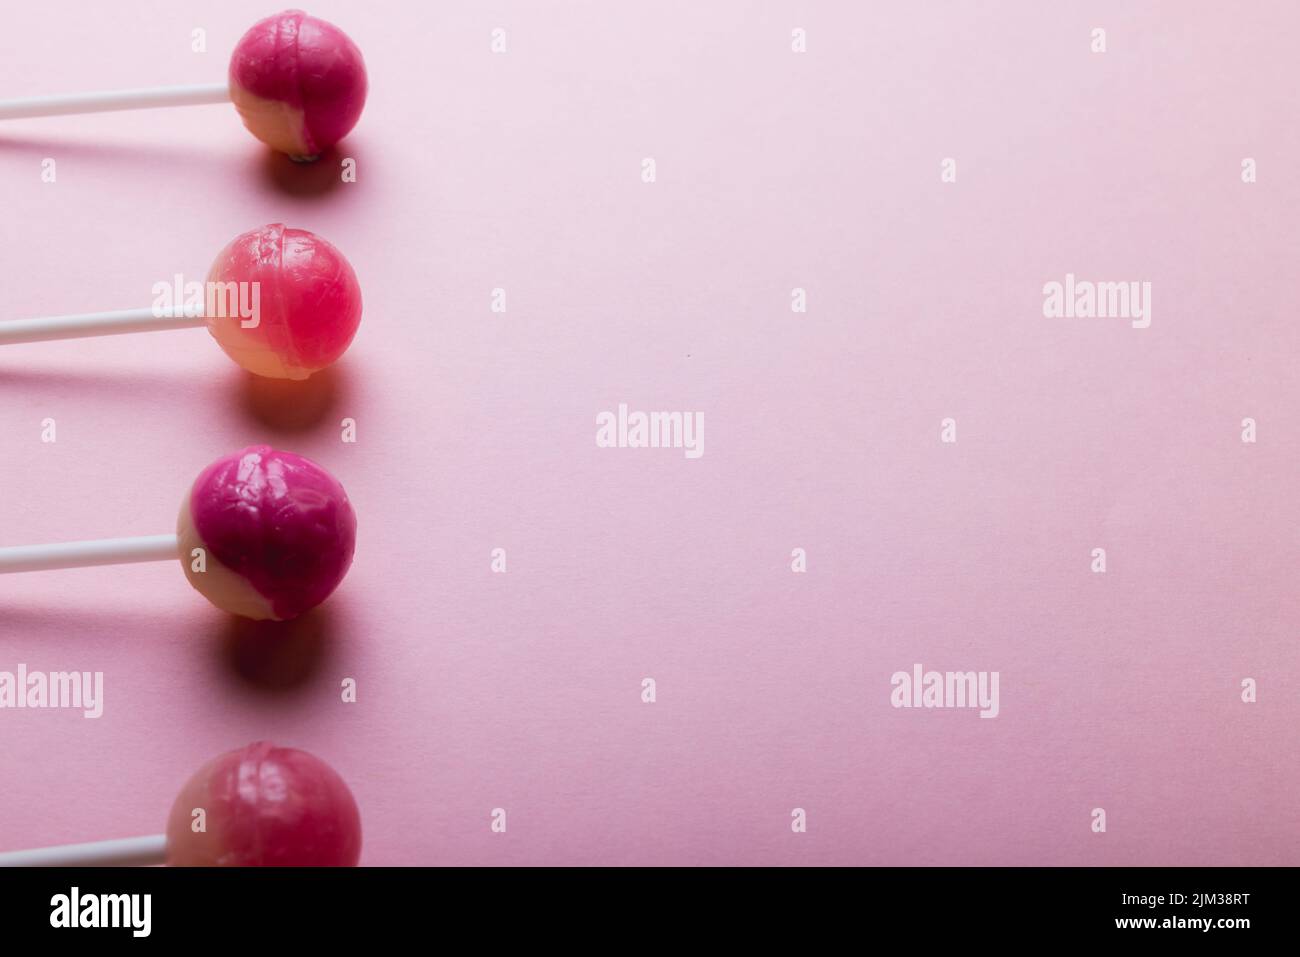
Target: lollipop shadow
x: 278, y: 655
x: 291, y: 407
x: 167, y: 387
x: 127, y: 155
x: 87, y: 625
x: 320, y: 176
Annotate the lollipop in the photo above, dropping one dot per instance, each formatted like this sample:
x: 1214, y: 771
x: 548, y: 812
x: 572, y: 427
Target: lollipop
x: 262, y: 534
x: 298, y: 83
x: 262, y: 806
x: 281, y: 302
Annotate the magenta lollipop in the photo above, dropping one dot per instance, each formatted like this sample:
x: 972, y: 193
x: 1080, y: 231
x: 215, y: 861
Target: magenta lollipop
x: 278, y: 529
x: 261, y: 533
x: 298, y: 83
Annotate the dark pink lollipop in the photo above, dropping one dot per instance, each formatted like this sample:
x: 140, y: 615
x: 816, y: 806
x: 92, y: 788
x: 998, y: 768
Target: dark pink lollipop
x: 277, y: 529
x: 298, y: 83
x: 256, y: 806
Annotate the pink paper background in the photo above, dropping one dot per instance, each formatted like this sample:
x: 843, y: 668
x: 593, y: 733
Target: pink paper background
x: 476, y: 430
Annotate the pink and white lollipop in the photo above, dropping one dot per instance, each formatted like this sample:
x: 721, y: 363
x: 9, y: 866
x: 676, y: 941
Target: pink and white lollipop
x: 258, y: 806
x: 298, y: 83
x: 261, y: 533
x: 282, y: 302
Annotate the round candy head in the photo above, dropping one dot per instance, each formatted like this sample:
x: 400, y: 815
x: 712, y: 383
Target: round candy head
x: 298, y: 82
x: 265, y: 806
x: 305, y: 305
x: 277, y: 533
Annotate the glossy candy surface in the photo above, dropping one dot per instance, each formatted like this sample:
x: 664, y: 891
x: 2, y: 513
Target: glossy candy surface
x: 265, y: 806
x: 277, y: 530
x: 308, y: 302
x: 298, y: 83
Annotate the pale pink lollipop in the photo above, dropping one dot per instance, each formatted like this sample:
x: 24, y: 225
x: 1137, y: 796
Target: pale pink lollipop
x: 310, y: 302
x: 258, y: 806
x: 281, y: 302
x: 261, y: 533
x: 298, y: 83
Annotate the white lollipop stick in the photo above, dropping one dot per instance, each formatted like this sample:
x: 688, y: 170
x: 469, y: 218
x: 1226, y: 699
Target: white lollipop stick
x: 125, y: 852
x: 107, y: 551
x: 85, y: 325
x: 113, y: 100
